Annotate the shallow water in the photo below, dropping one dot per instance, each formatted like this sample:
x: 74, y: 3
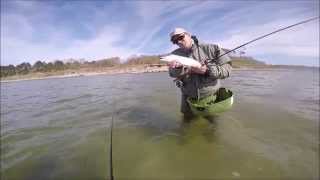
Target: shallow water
x: 59, y: 128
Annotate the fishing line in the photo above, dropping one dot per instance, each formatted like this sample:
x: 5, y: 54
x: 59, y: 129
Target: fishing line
x: 302, y: 22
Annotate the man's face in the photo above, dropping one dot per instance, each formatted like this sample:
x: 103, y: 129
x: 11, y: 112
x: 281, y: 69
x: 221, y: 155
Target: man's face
x: 184, y: 41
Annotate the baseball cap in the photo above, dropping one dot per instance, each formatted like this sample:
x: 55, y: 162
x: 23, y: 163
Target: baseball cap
x: 177, y: 31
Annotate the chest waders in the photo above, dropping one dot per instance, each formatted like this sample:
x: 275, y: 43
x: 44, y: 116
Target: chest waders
x: 219, y: 102
x: 212, y: 104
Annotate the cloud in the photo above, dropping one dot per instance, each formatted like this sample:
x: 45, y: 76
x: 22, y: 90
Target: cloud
x: 298, y: 41
x: 101, y: 46
x: 36, y: 30
x: 24, y: 39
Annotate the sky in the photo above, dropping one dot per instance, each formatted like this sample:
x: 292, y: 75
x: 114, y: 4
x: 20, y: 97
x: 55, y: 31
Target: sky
x: 49, y: 30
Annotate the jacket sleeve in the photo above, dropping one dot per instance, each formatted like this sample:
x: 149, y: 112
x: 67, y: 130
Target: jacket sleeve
x: 218, y: 68
x: 219, y: 71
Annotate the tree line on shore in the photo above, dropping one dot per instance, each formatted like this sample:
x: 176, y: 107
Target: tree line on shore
x: 58, y: 65
x: 74, y: 64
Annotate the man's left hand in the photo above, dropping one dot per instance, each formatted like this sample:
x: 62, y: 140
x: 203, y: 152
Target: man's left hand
x: 199, y: 70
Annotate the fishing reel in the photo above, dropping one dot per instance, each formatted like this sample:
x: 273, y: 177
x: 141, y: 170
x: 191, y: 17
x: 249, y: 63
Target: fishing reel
x: 178, y: 83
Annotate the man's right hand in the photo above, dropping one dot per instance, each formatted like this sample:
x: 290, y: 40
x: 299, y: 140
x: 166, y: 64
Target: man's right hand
x: 174, y: 64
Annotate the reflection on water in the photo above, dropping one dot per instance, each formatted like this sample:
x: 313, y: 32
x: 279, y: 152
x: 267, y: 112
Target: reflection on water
x: 59, y: 128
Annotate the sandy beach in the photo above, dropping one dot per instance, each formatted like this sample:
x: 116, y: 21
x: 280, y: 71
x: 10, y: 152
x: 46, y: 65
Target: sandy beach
x: 86, y: 72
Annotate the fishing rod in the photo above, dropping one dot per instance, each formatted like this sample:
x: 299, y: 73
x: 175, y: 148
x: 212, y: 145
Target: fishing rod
x: 111, y: 139
x: 110, y: 149
x: 256, y: 39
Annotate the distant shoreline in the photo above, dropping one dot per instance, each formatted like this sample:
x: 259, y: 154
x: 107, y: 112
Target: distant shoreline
x: 112, y: 71
x: 111, y: 66
x: 85, y: 72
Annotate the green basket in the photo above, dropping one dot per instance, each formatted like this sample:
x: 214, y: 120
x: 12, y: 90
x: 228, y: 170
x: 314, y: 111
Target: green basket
x: 214, y: 104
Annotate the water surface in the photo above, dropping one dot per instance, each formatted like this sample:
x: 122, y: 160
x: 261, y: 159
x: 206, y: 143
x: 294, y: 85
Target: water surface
x: 59, y: 128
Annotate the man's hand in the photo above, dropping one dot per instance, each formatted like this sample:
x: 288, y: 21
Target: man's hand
x: 199, y: 70
x: 174, y: 64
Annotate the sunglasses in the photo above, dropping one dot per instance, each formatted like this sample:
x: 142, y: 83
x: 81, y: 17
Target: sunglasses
x: 176, y: 39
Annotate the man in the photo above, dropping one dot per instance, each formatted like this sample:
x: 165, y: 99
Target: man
x: 197, y: 82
